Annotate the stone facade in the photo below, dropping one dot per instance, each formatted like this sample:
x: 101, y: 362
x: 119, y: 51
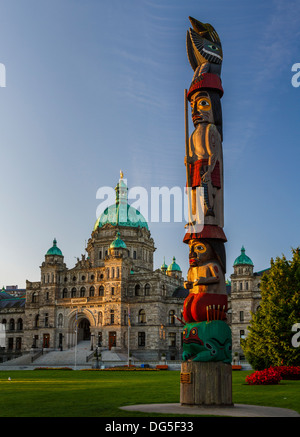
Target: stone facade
x: 244, y: 300
x: 111, y: 293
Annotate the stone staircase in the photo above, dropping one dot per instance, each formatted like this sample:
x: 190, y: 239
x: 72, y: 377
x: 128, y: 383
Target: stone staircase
x: 73, y: 357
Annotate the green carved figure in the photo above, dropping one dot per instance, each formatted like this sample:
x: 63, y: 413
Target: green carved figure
x: 207, y: 341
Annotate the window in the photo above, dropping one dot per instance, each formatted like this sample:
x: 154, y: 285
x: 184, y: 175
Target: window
x: 241, y: 286
x: 241, y: 316
x: 172, y: 339
x: 101, y: 290
x: 112, y: 272
x: 100, y: 254
x: 34, y: 298
x: 36, y: 321
x: 141, y: 339
x: 82, y: 292
x: 60, y: 320
x: 92, y: 291
x: 118, y: 272
x: 147, y: 290
x: 142, y: 316
x: 46, y: 320
x: 242, y: 334
x: 137, y: 290
x: 73, y: 292
x: 134, y: 254
x: 11, y: 325
x: 65, y: 293
x: 247, y: 285
x: 112, y: 291
x: 19, y: 325
x: 112, y: 317
x: 171, y: 317
x: 47, y: 295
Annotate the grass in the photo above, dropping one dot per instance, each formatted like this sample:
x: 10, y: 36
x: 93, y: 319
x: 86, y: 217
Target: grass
x: 63, y: 393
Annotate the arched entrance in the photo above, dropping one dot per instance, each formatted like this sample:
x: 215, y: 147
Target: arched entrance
x: 84, y: 331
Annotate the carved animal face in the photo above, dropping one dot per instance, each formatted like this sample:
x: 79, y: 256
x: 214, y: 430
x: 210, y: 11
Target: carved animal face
x: 207, y: 341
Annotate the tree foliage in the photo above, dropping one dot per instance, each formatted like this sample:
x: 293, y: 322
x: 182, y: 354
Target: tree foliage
x: 269, y: 342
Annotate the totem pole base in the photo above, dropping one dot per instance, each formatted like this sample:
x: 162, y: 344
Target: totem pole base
x: 206, y: 383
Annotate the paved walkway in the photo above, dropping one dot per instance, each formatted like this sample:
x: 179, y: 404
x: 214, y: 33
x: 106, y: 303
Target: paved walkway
x: 238, y: 410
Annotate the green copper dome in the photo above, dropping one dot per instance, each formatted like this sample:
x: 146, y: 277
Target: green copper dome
x: 54, y: 250
x: 243, y: 259
x: 121, y: 214
x: 174, y: 267
x: 118, y: 243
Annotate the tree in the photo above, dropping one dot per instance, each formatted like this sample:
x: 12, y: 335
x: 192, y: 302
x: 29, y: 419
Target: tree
x: 269, y: 342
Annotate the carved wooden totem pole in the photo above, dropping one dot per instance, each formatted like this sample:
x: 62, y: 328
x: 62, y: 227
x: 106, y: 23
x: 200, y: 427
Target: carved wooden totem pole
x: 206, y: 367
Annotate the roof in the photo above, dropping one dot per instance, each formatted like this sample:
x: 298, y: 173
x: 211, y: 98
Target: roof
x: 121, y: 213
x: 243, y: 259
x: 9, y: 301
x: 180, y: 292
x: 54, y: 250
x: 174, y: 267
x: 118, y: 243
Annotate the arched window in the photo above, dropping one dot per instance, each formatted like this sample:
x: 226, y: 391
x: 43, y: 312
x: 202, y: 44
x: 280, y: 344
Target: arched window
x: 112, y: 272
x: 33, y: 297
x: 82, y: 292
x: 73, y: 292
x: 19, y: 325
x: 137, y: 290
x: 11, y: 325
x: 60, y: 320
x: 65, y: 293
x: 92, y: 291
x: 142, y: 316
x: 101, y: 290
x: 171, y: 317
x: 147, y: 290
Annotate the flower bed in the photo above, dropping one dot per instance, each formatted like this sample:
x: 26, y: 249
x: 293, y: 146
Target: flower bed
x: 268, y: 376
x: 52, y: 368
x: 289, y: 372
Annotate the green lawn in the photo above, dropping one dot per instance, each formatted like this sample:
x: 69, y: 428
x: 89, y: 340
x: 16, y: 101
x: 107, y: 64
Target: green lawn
x: 63, y: 393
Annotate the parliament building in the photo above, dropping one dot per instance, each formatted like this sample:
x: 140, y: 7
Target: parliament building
x: 111, y: 297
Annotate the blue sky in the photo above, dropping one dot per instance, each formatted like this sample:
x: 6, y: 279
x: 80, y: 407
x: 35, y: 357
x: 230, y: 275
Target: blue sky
x: 96, y: 86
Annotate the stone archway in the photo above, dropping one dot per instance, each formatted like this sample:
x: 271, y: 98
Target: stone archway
x: 84, y: 330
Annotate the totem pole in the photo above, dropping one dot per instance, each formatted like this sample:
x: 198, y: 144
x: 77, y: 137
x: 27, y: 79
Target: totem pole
x: 206, y: 335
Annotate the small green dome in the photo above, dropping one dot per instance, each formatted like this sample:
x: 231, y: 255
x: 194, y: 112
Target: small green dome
x: 174, y: 267
x: 118, y: 243
x: 164, y: 266
x: 243, y: 259
x: 54, y: 250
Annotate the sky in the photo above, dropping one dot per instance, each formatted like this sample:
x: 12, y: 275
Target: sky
x: 93, y: 87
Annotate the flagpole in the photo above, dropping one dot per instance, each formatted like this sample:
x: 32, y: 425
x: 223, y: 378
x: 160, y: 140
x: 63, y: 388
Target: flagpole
x: 76, y: 331
x: 128, y: 341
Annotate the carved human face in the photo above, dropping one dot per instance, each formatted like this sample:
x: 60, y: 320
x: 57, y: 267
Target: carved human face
x: 200, y: 252
x: 201, y: 108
